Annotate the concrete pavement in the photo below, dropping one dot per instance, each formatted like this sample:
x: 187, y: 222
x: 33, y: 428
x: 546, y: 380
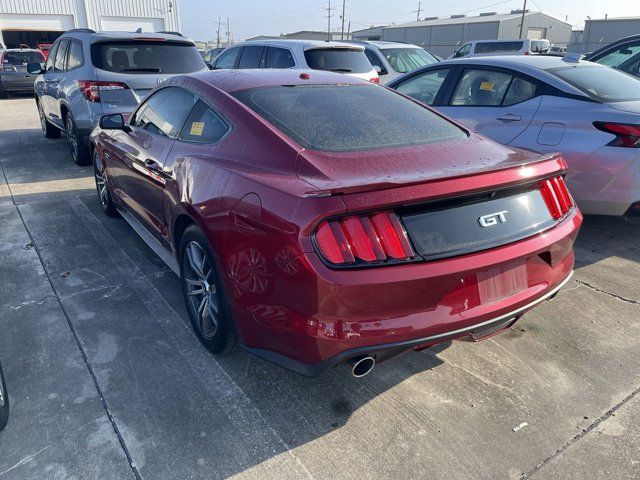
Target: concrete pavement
x: 107, y: 380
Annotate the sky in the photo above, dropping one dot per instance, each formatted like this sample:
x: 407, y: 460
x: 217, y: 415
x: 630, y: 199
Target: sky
x: 249, y: 18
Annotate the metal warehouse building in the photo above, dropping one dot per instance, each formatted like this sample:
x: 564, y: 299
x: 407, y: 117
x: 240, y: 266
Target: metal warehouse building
x: 32, y: 21
x: 441, y: 36
x: 600, y: 32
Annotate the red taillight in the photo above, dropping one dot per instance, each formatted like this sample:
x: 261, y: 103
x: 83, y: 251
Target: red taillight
x: 556, y: 196
x: 526, y: 52
x: 626, y: 135
x: 91, y: 89
x: 375, y: 79
x: 377, y: 237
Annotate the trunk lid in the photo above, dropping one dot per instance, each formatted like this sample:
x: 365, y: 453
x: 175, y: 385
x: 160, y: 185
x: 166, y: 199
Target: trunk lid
x: 334, y: 173
x: 629, y: 107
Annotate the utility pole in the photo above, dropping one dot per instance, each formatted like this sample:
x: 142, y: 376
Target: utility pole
x: 342, y: 17
x: 524, y: 9
x: 218, y: 33
x: 228, y: 33
x: 417, y: 12
x: 329, y: 9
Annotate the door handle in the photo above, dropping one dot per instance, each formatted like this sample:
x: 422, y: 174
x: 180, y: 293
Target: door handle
x: 509, y: 117
x: 152, y: 165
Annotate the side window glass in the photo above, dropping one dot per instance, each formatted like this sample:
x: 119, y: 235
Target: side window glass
x: 75, y: 57
x: 227, y: 59
x: 374, y: 59
x: 279, y: 58
x: 520, y: 91
x: 203, y: 125
x: 164, y: 112
x: 48, y: 66
x: 250, y: 57
x: 619, y: 56
x: 61, y: 57
x: 481, y: 88
x: 424, y: 87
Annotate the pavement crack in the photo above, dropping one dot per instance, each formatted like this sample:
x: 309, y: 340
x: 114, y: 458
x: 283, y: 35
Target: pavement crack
x: 30, y: 302
x: 608, y: 414
x: 588, y: 285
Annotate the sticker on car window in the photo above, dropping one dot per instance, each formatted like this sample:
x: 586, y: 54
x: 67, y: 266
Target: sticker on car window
x: 486, y: 86
x: 196, y: 128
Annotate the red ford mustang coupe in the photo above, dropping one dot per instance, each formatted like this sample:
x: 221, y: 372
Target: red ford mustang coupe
x: 316, y: 219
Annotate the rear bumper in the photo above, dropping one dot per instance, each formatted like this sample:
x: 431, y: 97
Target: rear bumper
x: 315, y: 317
x: 389, y: 350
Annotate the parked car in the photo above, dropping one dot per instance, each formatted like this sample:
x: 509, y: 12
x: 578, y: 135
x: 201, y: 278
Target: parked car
x: 88, y: 74
x: 298, y: 54
x: 14, y: 77
x: 45, y: 48
x: 392, y: 59
x: 589, y: 112
x: 483, y: 48
x: 623, y: 54
x: 4, y: 401
x: 339, y: 223
x: 212, y: 54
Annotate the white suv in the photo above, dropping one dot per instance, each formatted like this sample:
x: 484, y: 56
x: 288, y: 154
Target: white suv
x: 483, y: 48
x: 299, y: 54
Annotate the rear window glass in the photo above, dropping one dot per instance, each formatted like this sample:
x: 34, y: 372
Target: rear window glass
x: 348, y: 117
x: 146, y: 57
x: 22, y: 58
x: 404, y: 60
x: 603, y: 84
x: 498, y: 47
x: 345, y: 60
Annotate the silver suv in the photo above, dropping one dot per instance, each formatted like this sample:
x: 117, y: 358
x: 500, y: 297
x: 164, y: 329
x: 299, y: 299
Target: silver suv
x: 89, y: 74
x: 289, y: 53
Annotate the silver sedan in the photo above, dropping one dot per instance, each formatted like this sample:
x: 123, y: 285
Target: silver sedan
x: 588, y: 112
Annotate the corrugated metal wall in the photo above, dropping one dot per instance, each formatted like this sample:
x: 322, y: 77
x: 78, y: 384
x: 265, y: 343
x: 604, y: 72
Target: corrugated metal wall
x: 557, y: 32
x: 87, y: 13
x: 442, y: 40
x: 598, y: 33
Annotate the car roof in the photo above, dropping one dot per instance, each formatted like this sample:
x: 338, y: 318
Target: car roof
x: 305, y: 44
x: 6, y: 50
x: 235, y: 80
x: 102, y: 36
x: 382, y: 44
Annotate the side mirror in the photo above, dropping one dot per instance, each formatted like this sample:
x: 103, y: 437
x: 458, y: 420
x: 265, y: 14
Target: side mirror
x: 210, y: 65
x: 115, y: 121
x: 34, y: 68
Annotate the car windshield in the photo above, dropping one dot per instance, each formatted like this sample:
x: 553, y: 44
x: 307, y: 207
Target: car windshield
x: 603, y: 84
x: 345, y: 60
x: 404, y: 60
x: 22, y: 58
x: 138, y: 56
x: 347, y: 117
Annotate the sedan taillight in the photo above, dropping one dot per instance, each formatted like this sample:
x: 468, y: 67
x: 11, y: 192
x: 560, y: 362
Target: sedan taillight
x: 375, y: 80
x: 626, y: 135
x: 91, y: 89
x: 556, y: 196
x: 373, y: 238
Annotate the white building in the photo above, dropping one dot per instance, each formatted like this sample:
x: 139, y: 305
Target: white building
x: 38, y: 21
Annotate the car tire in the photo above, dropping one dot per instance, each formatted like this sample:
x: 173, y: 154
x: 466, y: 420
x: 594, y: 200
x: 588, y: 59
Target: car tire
x: 4, y: 402
x: 48, y: 130
x: 104, y: 195
x: 79, y: 153
x: 204, y: 293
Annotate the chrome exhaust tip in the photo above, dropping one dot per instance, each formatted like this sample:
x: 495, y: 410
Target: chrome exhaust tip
x: 361, y: 366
